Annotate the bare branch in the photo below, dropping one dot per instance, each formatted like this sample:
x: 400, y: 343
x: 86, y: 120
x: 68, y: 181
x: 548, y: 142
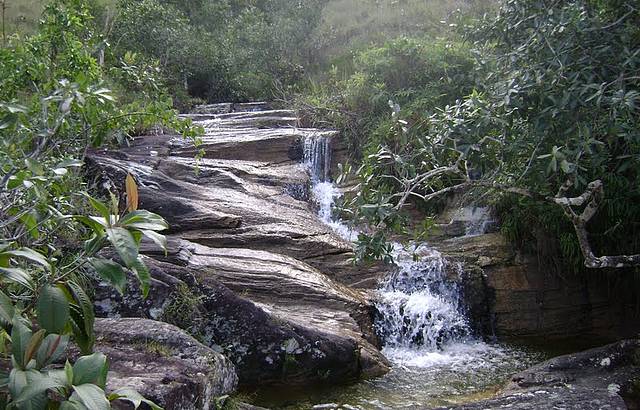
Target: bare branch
x: 590, y: 199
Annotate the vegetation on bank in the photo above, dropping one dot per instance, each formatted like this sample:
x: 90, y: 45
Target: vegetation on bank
x: 58, y: 99
x: 531, y: 107
x: 522, y: 110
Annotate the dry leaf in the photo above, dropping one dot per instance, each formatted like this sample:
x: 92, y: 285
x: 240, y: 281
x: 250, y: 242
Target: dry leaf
x: 132, y: 193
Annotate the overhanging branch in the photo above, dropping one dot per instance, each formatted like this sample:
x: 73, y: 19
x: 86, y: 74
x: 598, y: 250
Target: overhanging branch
x: 592, y: 196
x: 590, y: 199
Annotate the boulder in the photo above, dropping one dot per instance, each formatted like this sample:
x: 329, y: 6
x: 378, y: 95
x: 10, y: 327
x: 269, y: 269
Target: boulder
x: 312, y: 340
x: 568, y: 398
x: 163, y: 363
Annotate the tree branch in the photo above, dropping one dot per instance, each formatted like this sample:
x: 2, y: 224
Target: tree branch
x: 591, y: 199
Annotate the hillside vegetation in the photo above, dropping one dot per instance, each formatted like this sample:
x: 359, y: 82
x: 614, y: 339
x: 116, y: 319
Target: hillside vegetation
x: 529, y: 106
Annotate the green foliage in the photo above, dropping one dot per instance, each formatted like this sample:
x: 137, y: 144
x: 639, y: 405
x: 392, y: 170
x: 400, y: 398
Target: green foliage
x: 184, y: 309
x: 348, y: 25
x: 416, y: 74
x: 558, y: 100
x: 55, y: 103
x: 217, y: 51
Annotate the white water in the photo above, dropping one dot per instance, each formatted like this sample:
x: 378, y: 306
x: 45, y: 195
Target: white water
x: 421, y: 319
x: 419, y: 309
x: 477, y: 220
x: 420, y: 316
x: 317, y: 156
x: 325, y: 195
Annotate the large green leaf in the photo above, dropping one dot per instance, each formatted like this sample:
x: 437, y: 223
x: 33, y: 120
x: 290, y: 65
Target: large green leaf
x: 31, y: 255
x: 36, y: 392
x: 81, y: 337
x: 72, y: 405
x: 110, y: 271
x: 124, y: 244
x: 142, y: 273
x: 133, y: 397
x: 20, y: 379
x: 82, y: 318
x: 53, y: 309
x: 97, y: 225
x: 6, y: 311
x: 92, y: 396
x: 101, y: 208
x: 91, y: 369
x: 52, y: 348
x: 30, y: 221
x: 157, y: 238
x: 144, y: 220
x: 33, y: 345
x: 93, y: 245
x: 18, y: 276
x: 20, y: 337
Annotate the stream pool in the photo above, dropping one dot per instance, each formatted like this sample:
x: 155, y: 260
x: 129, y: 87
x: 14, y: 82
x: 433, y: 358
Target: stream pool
x: 459, y: 372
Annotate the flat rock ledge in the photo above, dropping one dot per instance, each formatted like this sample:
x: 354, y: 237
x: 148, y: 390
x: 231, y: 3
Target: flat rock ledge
x: 163, y: 363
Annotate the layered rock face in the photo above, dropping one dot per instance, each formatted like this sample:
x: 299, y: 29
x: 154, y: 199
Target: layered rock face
x: 512, y: 296
x: 259, y: 277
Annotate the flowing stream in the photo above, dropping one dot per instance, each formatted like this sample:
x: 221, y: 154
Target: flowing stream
x: 436, y: 358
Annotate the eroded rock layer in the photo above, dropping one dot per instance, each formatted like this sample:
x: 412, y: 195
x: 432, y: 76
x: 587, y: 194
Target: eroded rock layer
x: 266, y: 283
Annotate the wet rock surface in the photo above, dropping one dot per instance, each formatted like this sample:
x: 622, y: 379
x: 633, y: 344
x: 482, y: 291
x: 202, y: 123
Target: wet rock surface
x: 602, y: 378
x: 270, y: 286
x: 264, y: 344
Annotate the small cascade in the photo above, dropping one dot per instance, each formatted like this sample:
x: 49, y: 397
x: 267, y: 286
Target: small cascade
x: 418, y: 306
x: 317, y: 156
x: 478, y: 220
x: 325, y: 195
x: 420, y: 317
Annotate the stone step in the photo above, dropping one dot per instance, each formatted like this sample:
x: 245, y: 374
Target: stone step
x: 224, y: 108
x: 256, y: 119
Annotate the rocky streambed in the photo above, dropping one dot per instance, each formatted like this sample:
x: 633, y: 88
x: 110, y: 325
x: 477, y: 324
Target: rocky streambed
x: 257, y: 292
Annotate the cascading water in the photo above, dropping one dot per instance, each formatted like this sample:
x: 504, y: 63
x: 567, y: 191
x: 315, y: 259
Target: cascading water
x: 317, y: 156
x: 479, y: 221
x: 426, y: 334
x: 422, y: 322
x: 418, y: 308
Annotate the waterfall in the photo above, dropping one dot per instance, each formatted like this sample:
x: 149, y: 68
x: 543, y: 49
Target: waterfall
x: 420, y: 318
x: 477, y: 220
x: 317, y: 156
x: 418, y: 307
